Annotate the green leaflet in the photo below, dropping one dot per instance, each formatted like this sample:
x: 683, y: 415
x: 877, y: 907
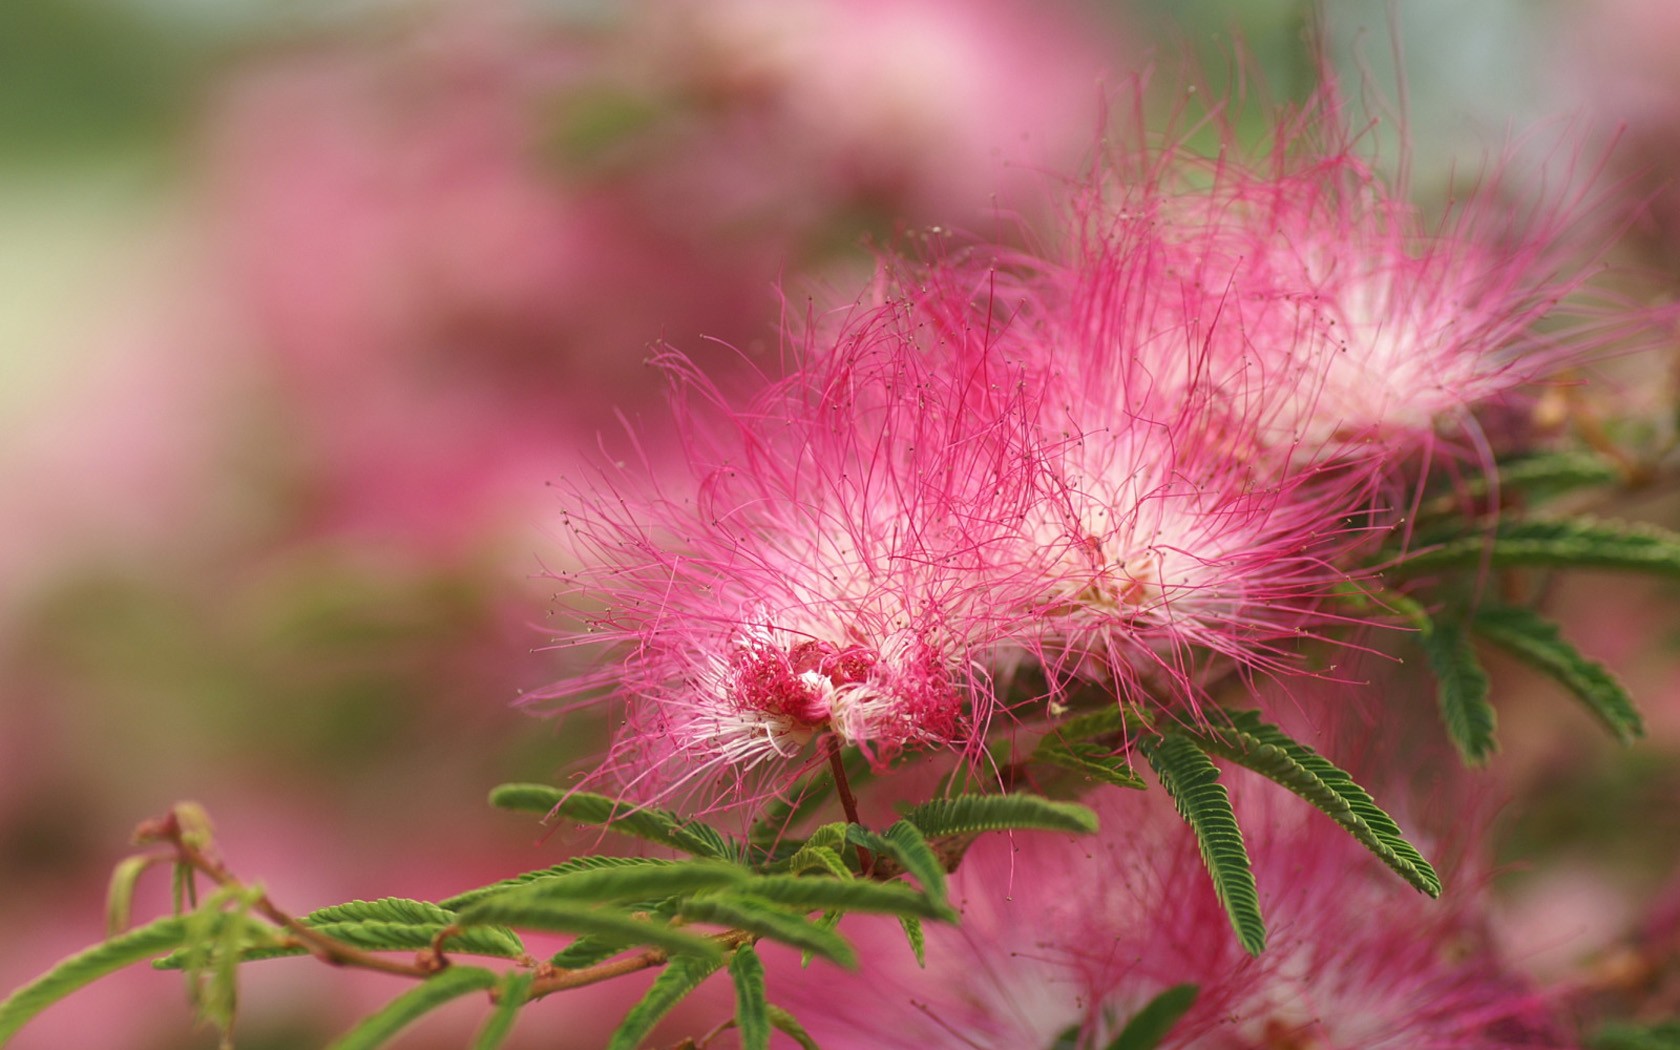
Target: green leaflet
x: 819, y: 857
x: 566, y: 917
x: 515, y: 986
x: 1622, y: 1036
x: 1192, y: 780
x: 752, y: 1009
x: 413, y: 1004
x: 765, y: 919
x: 671, y: 987
x: 87, y: 966
x: 812, y: 892
x: 1461, y: 689
x: 1151, y: 1024
x: 969, y: 814
x: 1573, y: 543
x: 1097, y: 761
x: 1245, y: 739
x: 918, y: 939
x: 1542, y: 477
x: 644, y: 822
x: 632, y: 882
x: 785, y: 1023
x: 904, y: 843
x: 119, y: 895
x: 388, y: 924
x: 461, y: 900
x: 1105, y: 721
x: 1536, y: 640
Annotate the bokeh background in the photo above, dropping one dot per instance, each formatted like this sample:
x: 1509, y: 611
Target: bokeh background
x: 306, y: 307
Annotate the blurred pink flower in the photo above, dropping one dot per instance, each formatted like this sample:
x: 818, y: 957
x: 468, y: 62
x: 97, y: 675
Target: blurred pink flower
x: 458, y: 247
x: 1065, y: 934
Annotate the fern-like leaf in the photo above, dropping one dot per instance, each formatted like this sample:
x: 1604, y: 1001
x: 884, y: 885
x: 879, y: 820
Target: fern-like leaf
x: 970, y: 814
x: 1245, y: 739
x: 678, y: 979
x: 1192, y: 780
x: 752, y: 1009
x: 1461, y: 689
x: 566, y: 917
x: 903, y: 842
x: 379, y: 1028
x: 1623, y: 1036
x: 813, y: 892
x: 765, y: 919
x: 789, y: 1026
x: 1536, y: 640
x: 1155, y: 1021
x: 643, y: 822
x: 1575, y: 543
x: 822, y: 857
x: 917, y: 938
x: 1097, y: 761
x: 512, y: 993
x: 461, y: 900
x: 638, y: 882
x: 87, y: 966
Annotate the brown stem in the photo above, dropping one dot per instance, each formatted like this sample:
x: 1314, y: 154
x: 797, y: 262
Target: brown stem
x: 329, y: 950
x: 564, y: 979
x: 848, y: 801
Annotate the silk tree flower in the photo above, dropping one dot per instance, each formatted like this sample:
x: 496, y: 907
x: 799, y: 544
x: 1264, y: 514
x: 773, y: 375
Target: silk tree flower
x: 1305, y: 284
x: 832, y: 571
x: 1064, y: 934
x: 1166, y: 526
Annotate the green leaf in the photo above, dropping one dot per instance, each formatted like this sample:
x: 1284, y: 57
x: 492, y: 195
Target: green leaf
x: 512, y: 992
x: 1575, y: 543
x: 918, y: 939
x: 119, y: 897
x: 1245, y: 739
x: 87, y: 966
x: 1536, y: 641
x: 1192, y: 780
x: 637, y: 882
x: 644, y: 822
x: 413, y: 1004
x: 968, y: 814
x: 765, y: 919
x: 903, y: 842
x: 813, y: 892
x: 400, y: 924
x: 566, y: 917
x: 1151, y: 1024
x: 1542, y: 476
x: 1097, y: 761
x: 821, y: 857
x: 1066, y: 1039
x: 1461, y: 689
x: 785, y: 1023
x: 461, y: 900
x: 1624, y: 1036
x: 678, y: 979
x: 752, y: 1010
x: 1106, y: 721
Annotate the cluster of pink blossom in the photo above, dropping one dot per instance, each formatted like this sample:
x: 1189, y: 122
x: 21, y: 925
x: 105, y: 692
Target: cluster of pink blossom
x: 1149, y: 450
x: 1063, y: 935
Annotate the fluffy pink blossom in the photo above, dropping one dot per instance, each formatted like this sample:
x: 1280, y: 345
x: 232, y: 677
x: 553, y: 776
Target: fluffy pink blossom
x: 1064, y: 934
x: 833, y: 570
x: 1306, y: 290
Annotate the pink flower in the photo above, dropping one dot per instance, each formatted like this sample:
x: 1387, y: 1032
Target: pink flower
x: 1061, y: 934
x: 832, y: 571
